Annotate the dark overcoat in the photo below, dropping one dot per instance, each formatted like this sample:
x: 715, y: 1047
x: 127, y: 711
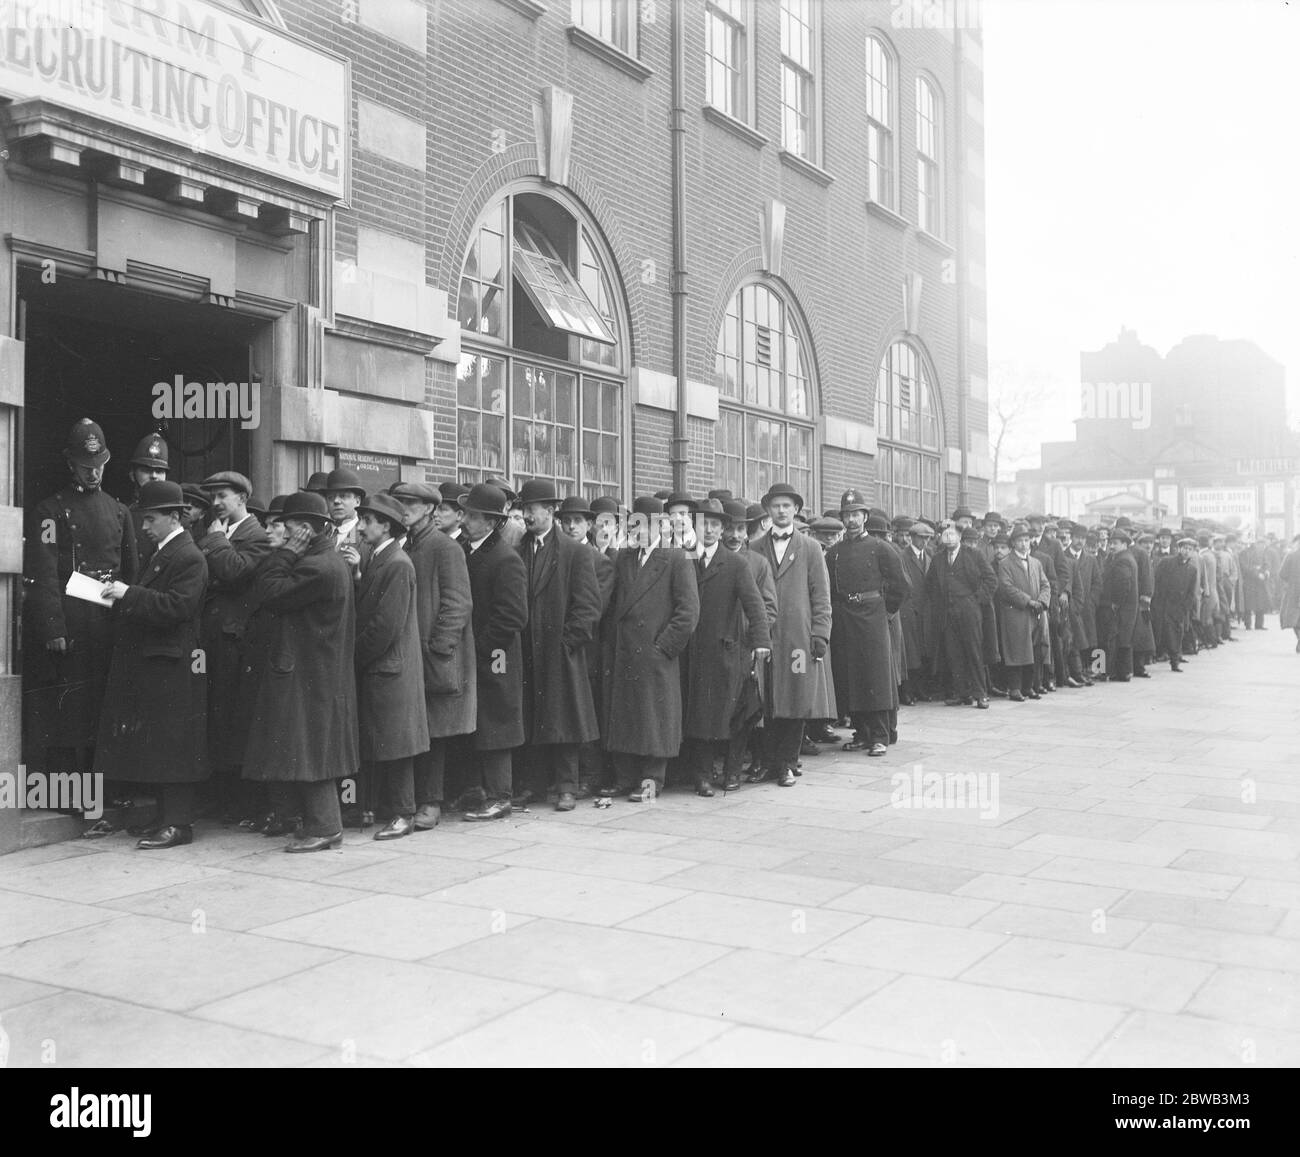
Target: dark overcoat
x: 1289, y: 591
x: 390, y: 677
x: 647, y: 628
x: 72, y: 530
x: 1119, y: 600
x: 1254, y: 580
x: 915, y: 611
x: 1023, y: 596
x: 799, y: 686
x: 153, y: 727
x: 1084, y: 595
x: 499, y: 585
x: 959, y: 593
x: 862, y: 653
x: 1143, y: 637
x: 732, y: 624
x: 1174, y: 597
x: 563, y: 615
x: 304, y: 724
x: 444, y: 610
x: 232, y: 568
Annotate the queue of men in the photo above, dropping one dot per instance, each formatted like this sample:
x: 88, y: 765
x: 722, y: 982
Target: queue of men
x: 344, y: 657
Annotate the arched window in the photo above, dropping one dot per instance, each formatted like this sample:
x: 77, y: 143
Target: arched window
x: 908, y: 435
x: 763, y: 370
x: 929, y: 173
x: 880, y: 123
x: 540, y: 387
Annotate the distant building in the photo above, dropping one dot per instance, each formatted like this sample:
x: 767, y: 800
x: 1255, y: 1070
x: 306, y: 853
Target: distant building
x: 1200, y: 433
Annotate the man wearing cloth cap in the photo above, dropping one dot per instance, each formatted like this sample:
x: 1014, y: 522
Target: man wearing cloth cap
x: 1173, y: 600
x: 152, y: 726
x: 68, y: 642
x: 1119, y: 608
x: 960, y: 585
x: 391, y: 720
x: 655, y: 608
x: 563, y: 616
x: 302, y: 738
x: 234, y: 546
x: 914, y: 614
x: 866, y: 587
x: 443, y: 608
x: 148, y: 464
x: 499, y: 586
x: 799, y: 687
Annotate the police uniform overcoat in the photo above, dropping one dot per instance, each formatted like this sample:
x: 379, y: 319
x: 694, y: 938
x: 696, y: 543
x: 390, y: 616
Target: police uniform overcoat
x: 304, y: 724
x: 499, y: 586
x: 390, y: 676
x: 655, y: 608
x: 732, y: 623
x: 153, y: 727
x: 862, y: 652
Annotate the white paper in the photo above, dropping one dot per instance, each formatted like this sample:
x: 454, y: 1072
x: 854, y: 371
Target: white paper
x: 82, y: 586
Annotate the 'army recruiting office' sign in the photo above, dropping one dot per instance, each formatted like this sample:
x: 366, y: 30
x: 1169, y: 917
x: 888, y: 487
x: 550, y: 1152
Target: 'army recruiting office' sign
x: 191, y: 72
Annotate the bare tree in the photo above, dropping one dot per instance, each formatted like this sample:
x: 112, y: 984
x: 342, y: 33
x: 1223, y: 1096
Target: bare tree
x: 1004, y: 412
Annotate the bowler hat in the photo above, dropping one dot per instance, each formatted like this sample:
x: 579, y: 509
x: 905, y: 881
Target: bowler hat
x: 384, y: 506
x: 151, y: 453
x: 86, y: 445
x: 502, y: 485
x: 963, y: 512
x: 1020, y: 530
x: 644, y: 504
x: 1123, y: 522
x: 921, y: 530
x: 345, y: 479
x: 876, y: 524
x: 161, y: 496
x: 755, y: 512
x: 316, y: 483
x: 735, y: 512
x: 255, y: 508
x: 853, y: 500
x: 576, y: 504
x: 722, y: 495
x: 604, y: 504
x: 228, y: 478
x: 782, y: 490
x: 679, y: 498
x: 1165, y: 532
x: 1001, y: 539
x: 275, y: 508
x: 451, y: 492
x: 994, y: 516
x: 1118, y: 535
x: 194, y: 496
x: 415, y: 492
x: 305, y: 506
x: 711, y: 508
x: 484, y: 498
x: 538, y: 490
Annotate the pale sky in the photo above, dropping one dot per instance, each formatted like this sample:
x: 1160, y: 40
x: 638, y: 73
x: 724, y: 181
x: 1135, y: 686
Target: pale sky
x: 1140, y: 170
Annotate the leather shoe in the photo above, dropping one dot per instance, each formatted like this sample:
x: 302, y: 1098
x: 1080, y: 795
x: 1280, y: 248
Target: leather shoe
x: 855, y: 745
x: 1000, y: 692
x: 645, y: 793
x: 275, y: 825
x: 396, y: 828
x: 1176, y: 669
x: 471, y: 799
x: 172, y: 836
x: 982, y: 704
x: 787, y: 777
x: 731, y: 783
x: 1016, y: 697
x: 1049, y: 687
x: 566, y: 802
x: 316, y: 843
x: 1031, y: 694
x: 878, y: 749
x: 496, y: 809
x: 1141, y: 674
x: 99, y: 829
x: 758, y: 775
x: 427, y: 817
x: 1073, y: 682
x: 809, y: 748
x: 704, y: 788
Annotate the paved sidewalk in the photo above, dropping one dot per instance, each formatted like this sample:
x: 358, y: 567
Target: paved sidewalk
x: 1135, y: 900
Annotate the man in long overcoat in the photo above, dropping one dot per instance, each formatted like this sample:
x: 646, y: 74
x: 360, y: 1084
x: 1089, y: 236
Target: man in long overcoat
x: 798, y: 681
x: 1207, y: 592
x: 153, y: 725
x: 1084, y: 597
x: 68, y: 642
x: 563, y: 615
x: 1173, y: 599
x: 390, y: 676
x: 1144, y: 640
x: 1255, y: 602
x: 866, y: 587
x: 235, y: 545
x: 443, y: 608
x: 731, y: 637
x: 1023, y: 598
x: 303, y: 735
x: 655, y: 608
x: 499, y: 586
x: 960, y: 585
x: 1117, y: 620
x: 914, y: 614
